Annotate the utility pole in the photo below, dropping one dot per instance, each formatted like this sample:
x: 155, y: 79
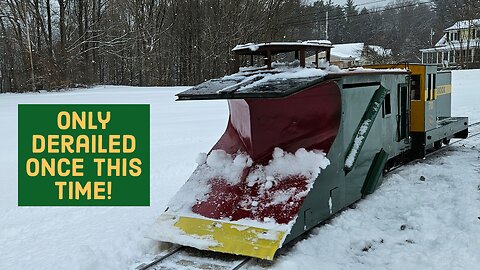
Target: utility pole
x: 431, y: 37
x: 326, y: 25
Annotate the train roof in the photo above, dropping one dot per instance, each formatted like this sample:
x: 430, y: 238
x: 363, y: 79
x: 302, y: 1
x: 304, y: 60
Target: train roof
x: 276, y: 80
x: 274, y: 83
x: 279, y: 47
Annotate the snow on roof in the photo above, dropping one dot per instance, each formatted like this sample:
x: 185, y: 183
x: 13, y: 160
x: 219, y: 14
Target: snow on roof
x: 442, y: 41
x: 354, y: 50
x: 319, y: 41
x: 380, y: 50
x: 256, y: 46
x: 348, y: 50
x: 453, y: 45
x: 283, y: 74
x: 277, y: 82
x: 464, y: 24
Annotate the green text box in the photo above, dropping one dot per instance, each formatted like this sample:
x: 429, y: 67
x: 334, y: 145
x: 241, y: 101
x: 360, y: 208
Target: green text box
x: 71, y: 128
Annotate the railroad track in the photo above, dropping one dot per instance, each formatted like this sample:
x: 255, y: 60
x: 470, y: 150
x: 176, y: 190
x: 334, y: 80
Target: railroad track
x: 470, y: 133
x: 183, y: 258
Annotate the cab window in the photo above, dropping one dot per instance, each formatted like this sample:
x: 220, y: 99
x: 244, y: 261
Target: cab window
x: 429, y: 89
x: 415, y: 90
x: 387, y: 106
x: 432, y: 81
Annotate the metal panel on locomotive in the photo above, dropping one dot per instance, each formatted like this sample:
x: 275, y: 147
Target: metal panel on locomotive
x: 363, y: 120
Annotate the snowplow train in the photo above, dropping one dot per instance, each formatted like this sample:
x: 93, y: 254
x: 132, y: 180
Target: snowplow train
x: 304, y: 139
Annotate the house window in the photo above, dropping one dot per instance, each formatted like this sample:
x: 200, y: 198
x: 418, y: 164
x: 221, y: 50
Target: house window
x: 451, y: 56
x: 454, y: 35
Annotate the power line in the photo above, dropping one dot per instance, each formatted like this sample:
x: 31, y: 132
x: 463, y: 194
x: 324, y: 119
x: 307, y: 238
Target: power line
x: 372, y: 2
x: 342, y: 16
x: 313, y: 12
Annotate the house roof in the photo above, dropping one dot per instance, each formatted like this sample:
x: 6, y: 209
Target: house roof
x: 445, y: 45
x: 347, y: 50
x: 464, y: 24
x: 454, y: 45
x: 380, y: 50
x: 442, y: 41
x: 354, y: 50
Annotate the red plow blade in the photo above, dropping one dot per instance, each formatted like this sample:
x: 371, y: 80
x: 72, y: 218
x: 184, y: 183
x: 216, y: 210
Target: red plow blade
x: 245, y: 195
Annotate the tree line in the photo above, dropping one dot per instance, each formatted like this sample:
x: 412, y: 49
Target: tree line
x: 51, y: 44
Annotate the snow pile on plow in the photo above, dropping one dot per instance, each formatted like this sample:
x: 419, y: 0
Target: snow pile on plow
x: 232, y: 205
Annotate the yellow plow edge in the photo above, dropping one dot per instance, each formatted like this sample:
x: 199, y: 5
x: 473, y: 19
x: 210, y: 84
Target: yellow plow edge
x: 233, y: 238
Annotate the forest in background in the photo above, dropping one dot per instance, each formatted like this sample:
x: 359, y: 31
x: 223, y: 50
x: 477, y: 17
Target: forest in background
x: 52, y: 44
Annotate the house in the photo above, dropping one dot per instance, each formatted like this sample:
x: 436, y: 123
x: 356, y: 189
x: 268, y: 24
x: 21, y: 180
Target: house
x: 458, y: 47
x: 355, y: 54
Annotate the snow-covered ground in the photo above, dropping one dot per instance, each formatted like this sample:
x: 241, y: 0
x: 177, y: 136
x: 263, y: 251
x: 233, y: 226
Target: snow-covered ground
x: 406, y: 224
